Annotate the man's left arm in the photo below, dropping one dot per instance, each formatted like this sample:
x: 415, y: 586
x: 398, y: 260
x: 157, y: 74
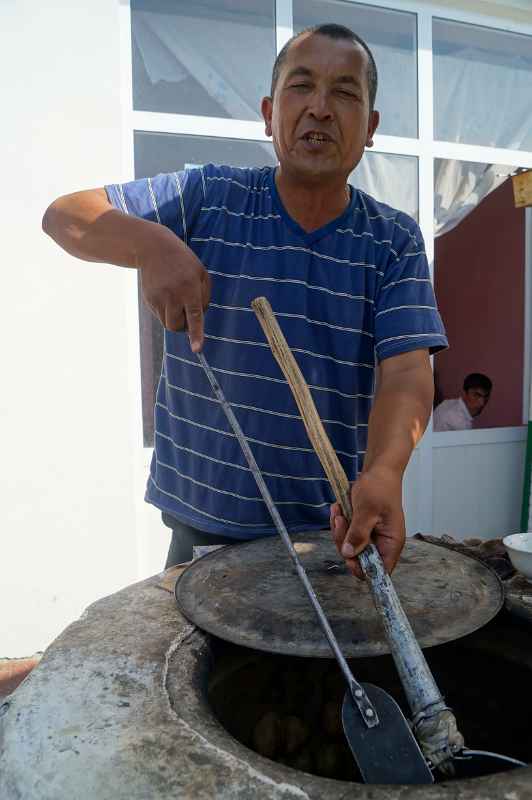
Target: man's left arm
x: 399, y: 416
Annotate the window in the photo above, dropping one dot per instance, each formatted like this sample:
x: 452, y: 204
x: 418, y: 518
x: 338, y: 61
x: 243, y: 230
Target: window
x: 482, y: 86
x: 193, y: 58
x: 390, y: 179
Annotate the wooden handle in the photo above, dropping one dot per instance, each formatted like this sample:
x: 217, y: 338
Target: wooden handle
x: 316, y: 431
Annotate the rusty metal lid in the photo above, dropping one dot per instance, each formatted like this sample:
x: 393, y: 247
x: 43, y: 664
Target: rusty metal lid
x: 250, y: 594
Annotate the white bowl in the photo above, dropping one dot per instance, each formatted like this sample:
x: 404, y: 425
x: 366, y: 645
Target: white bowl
x: 519, y: 548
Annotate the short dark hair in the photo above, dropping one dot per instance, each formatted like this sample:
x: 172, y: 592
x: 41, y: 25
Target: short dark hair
x: 333, y: 31
x: 476, y: 380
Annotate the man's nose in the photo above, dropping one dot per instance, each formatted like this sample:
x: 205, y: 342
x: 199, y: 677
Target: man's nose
x: 320, y: 105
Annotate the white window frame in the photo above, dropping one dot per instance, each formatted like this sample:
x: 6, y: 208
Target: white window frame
x: 424, y: 148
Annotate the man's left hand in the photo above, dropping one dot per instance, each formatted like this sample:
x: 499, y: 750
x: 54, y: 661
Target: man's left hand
x: 376, y: 500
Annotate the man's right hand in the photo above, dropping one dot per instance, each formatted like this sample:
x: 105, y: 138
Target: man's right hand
x: 176, y: 286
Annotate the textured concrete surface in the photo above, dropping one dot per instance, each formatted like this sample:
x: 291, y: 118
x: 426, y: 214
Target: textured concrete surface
x: 116, y: 709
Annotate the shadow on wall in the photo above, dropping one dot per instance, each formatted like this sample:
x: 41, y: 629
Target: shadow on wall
x: 479, y: 281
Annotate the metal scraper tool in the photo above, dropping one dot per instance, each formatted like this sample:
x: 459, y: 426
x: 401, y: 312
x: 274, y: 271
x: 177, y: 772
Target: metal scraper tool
x: 376, y: 730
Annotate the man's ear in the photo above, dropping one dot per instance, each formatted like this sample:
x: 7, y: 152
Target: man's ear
x: 266, y: 107
x: 373, y: 124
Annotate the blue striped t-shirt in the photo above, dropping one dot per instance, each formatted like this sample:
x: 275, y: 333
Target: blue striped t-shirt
x: 355, y: 291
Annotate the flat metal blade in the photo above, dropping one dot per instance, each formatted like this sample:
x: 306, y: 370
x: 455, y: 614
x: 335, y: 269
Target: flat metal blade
x: 387, y: 753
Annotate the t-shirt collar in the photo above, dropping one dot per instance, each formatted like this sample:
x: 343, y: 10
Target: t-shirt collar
x: 319, y: 233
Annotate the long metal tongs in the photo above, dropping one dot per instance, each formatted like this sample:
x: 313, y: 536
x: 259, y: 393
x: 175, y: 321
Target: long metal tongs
x: 434, y: 723
x: 376, y: 730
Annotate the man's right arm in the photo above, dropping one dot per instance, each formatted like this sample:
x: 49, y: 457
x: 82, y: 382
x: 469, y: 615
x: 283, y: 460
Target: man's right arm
x: 175, y: 284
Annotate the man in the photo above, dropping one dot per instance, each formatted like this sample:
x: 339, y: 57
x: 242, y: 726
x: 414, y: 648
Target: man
x: 458, y: 414
x: 347, y: 278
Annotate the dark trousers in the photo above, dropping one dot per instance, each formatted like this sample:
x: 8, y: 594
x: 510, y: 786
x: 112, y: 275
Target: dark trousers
x: 184, y: 538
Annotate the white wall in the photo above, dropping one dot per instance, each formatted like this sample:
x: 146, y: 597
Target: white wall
x: 71, y: 487
x: 412, y: 495
x: 478, y: 485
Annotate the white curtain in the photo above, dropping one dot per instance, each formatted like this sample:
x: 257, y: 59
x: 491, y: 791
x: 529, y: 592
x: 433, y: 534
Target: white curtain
x: 459, y: 187
x: 481, y: 101
x: 483, y: 95
x: 168, y: 44
x: 389, y: 179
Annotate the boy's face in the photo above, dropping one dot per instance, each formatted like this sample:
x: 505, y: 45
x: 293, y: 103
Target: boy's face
x: 475, y: 399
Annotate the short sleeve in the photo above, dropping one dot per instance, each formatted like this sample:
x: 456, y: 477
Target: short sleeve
x: 173, y: 199
x: 406, y: 315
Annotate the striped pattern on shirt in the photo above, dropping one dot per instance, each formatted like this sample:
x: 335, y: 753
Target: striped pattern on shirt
x: 346, y: 295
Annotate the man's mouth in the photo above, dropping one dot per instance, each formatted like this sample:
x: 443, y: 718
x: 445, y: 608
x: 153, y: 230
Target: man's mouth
x: 315, y: 137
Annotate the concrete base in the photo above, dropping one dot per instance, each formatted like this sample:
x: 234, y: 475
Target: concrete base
x: 116, y: 709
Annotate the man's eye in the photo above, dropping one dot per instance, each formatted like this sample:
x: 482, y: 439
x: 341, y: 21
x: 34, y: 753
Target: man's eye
x: 300, y: 86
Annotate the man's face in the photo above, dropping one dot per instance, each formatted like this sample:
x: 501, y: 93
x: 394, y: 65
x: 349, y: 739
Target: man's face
x: 475, y: 400
x: 320, y: 118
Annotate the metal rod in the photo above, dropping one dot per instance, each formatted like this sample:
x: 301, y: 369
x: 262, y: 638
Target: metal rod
x: 421, y: 690
x: 466, y: 754
x: 360, y: 698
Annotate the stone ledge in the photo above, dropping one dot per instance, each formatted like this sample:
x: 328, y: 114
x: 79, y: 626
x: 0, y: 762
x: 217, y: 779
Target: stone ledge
x: 94, y: 720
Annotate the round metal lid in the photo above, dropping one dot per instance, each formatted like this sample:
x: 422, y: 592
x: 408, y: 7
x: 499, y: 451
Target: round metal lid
x: 250, y: 594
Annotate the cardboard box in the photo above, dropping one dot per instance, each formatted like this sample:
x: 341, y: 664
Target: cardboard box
x: 522, y: 184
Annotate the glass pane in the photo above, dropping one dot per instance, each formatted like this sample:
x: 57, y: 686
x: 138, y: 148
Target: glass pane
x: 194, y: 58
x: 479, y: 268
x: 392, y: 38
x: 162, y: 152
x: 389, y: 179
x: 482, y: 86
